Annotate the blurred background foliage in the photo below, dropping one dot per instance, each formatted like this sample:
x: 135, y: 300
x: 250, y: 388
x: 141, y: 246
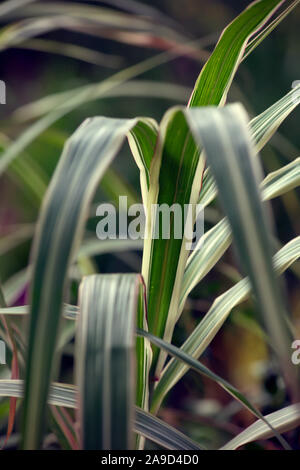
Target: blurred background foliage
x: 54, y: 47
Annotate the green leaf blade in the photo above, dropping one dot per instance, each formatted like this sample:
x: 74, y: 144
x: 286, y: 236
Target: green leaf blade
x: 105, y: 351
x: 86, y: 156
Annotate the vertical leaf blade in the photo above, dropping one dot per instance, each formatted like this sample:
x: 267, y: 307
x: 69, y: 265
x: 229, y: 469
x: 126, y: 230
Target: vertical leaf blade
x: 105, y: 366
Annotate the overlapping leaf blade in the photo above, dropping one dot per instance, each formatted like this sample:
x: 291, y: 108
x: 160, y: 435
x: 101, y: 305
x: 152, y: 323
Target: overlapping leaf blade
x: 164, y: 258
x: 162, y: 433
x: 71, y: 100
x: 216, y: 76
x: 262, y: 128
x: 282, y: 420
x: 145, y: 424
x: 214, y: 243
x: 230, y: 154
x: 204, y: 333
x: 203, y: 370
x: 86, y: 156
x: 280, y: 181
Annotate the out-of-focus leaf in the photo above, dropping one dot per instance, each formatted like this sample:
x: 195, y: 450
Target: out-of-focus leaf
x: 282, y: 420
x: 204, y: 333
x: 223, y: 132
x: 264, y: 32
x: 11, y: 5
x: 177, y: 155
x: 85, y: 158
x: 104, y: 360
x: 214, y: 243
x: 200, y: 368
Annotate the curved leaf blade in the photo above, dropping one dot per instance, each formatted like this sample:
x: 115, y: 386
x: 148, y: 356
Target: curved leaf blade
x: 162, y: 433
x: 216, y: 76
x: 224, y: 134
x: 282, y: 420
x: 201, y: 369
x: 86, y: 156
